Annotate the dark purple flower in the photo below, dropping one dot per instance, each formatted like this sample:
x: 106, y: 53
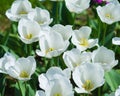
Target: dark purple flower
x: 98, y: 1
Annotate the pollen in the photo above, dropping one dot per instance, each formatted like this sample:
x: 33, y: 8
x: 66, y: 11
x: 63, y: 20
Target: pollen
x: 57, y: 94
x: 84, y: 42
x: 108, y: 16
x: 49, y: 50
x: 29, y: 36
x: 24, y: 74
x: 88, y: 85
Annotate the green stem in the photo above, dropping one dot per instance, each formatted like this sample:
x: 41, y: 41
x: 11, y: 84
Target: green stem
x: 58, y: 12
x: 75, y: 15
x: 99, y: 31
x: 104, y: 34
x: 99, y: 91
x: 26, y: 91
x: 3, y: 90
x: 19, y: 87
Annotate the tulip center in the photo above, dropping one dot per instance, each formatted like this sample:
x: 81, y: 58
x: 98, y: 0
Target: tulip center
x: 108, y: 16
x: 88, y: 85
x: 22, y: 11
x: 84, y: 42
x: 24, y: 74
x: 29, y: 36
x: 57, y: 94
x: 49, y: 50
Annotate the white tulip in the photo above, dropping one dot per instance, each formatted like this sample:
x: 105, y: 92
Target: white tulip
x: 74, y: 58
x: 105, y: 57
x: 51, y: 74
x: 19, y: 9
x: 5, y: 62
x: 116, y: 40
x: 109, y: 13
x: 41, y: 16
x: 52, y: 44
x: 112, y: 1
x: 88, y: 77
x: 23, y: 68
x: 40, y: 93
x: 65, y: 31
x: 117, y: 92
x: 80, y: 38
x: 55, y: 83
x: 29, y: 31
x: 77, y: 6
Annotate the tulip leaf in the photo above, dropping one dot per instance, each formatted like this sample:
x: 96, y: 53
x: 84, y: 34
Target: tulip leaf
x: 113, y: 79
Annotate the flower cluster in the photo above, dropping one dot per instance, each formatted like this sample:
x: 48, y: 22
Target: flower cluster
x: 86, y: 59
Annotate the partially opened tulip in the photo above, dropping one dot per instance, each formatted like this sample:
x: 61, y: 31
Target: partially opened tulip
x: 88, y: 77
x: 6, y: 61
x: 41, y: 16
x: 55, y: 83
x: 74, y: 58
x: 116, y: 40
x: 29, y: 31
x: 52, y: 44
x: 23, y: 68
x: 51, y: 74
x: 77, y: 6
x: 80, y: 38
x: 19, y: 9
x: 109, y: 13
x: 65, y: 31
x: 105, y: 57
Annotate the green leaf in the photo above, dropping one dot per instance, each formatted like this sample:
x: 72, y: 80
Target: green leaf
x: 113, y: 79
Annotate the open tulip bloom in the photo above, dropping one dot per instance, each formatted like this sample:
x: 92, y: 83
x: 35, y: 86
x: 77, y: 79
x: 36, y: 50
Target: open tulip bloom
x: 52, y: 44
x: 74, y: 58
x: 80, y: 38
x: 41, y: 16
x: 88, y: 77
x: 105, y: 57
x: 19, y: 9
x: 23, y: 68
x: 109, y: 13
x: 29, y: 31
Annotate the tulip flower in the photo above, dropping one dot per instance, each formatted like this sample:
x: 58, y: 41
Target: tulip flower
x: 29, y: 31
x: 109, y: 13
x: 105, y: 57
x: 52, y: 44
x: 80, y: 38
x: 23, y: 68
x: 74, y: 58
x: 55, y: 83
x: 19, y: 9
x: 116, y: 40
x: 41, y: 16
x: 65, y: 31
x: 77, y: 6
x: 88, y: 77
x: 7, y: 60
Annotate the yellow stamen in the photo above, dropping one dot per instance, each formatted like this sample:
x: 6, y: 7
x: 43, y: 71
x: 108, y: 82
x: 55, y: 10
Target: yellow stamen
x: 88, y: 85
x: 29, y: 36
x: 48, y: 50
x: 84, y: 42
x: 24, y: 74
x: 108, y: 16
x: 23, y: 12
x: 57, y: 94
